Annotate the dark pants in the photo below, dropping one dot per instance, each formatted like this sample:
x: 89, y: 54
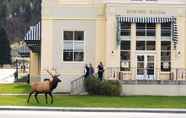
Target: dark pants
x: 86, y: 75
x: 100, y: 75
x: 16, y: 75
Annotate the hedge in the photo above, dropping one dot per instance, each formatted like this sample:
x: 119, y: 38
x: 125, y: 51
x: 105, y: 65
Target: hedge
x: 106, y: 87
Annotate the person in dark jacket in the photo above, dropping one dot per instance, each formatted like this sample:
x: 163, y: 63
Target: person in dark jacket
x: 91, y: 70
x: 17, y: 69
x: 100, y: 71
x: 87, y: 71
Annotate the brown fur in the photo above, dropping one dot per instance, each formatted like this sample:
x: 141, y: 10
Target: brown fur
x: 45, y: 87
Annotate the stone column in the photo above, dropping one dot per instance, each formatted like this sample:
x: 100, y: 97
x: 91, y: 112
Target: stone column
x: 34, y: 66
x: 158, y: 52
x: 133, y: 51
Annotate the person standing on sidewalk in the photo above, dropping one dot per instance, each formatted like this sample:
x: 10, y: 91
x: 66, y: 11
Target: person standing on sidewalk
x: 17, y: 70
x: 100, y: 71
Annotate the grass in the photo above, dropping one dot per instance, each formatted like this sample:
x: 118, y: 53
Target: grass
x: 100, y: 101
x: 90, y: 101
x: 14, y: 88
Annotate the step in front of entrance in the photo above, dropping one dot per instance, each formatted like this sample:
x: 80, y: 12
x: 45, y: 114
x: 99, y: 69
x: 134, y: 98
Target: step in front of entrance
x: 154, y: 82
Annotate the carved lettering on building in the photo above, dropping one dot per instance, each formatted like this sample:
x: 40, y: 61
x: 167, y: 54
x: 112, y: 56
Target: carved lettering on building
x: 154, y: 12
x: 145, y: 0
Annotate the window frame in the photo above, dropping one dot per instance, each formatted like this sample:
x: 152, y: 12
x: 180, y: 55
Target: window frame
x: 73, y: 41
x: 125, y: 38
x: 145, y: 28
x: 125, y: 29
x: 162, y: 60
x: 166, y: 29
x: 146, y: 42
x: 125, y: 51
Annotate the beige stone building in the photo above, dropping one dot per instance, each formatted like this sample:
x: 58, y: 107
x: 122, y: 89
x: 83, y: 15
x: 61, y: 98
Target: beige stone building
x: 135, y: 39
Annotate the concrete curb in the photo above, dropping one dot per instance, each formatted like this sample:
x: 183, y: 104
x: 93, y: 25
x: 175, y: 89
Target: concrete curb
x: 77, y: 109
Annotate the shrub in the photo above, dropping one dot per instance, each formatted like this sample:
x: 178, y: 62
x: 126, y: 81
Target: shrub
x: 96, y: 87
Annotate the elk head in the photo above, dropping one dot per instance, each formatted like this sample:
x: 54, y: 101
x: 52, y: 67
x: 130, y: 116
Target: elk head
x: 55, y: 77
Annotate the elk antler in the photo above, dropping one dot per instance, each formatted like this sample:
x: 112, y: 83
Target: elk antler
x: 49, y: 73
x: 56, y: 73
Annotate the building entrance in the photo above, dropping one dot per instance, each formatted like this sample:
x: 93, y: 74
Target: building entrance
x: 145, y: 67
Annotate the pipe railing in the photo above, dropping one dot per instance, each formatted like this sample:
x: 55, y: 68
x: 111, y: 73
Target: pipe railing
x: 77, y: 85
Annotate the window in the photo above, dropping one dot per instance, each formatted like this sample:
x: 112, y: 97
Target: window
x: 125, y: 29
x: 145, y: 45
x: 144, y: 33
x: 125, y: 55
x: 73, y: 46
x: 145, y: 29
x: 166, y: 29
x: 165, y: 56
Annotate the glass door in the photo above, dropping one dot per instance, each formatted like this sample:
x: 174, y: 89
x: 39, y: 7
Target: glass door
x: 145, y: 67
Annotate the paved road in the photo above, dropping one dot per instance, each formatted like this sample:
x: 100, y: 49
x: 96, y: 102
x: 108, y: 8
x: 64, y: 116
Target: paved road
x: 55, y: 114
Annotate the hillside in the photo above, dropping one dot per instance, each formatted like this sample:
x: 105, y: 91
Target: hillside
x: 16, y: 16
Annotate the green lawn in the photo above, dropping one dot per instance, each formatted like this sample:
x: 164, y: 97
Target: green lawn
x: 90, y: 101
x: 98, y: 101
x: 14, y: 88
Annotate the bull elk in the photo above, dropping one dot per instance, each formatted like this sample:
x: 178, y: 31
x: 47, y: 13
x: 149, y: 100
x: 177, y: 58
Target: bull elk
x: 46, y: 87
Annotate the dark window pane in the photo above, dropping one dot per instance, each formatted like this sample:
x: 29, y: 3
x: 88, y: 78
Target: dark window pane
x: 125, y: 25
x: 140, y: 65
x: 165, y: 45
x: 125, y: 32
x: 79, y: 35
x: 165, y: 56
x: 166, y: 33
x: 140, y: 71
x: 151, y: 32
x: 166, y: 29
x: 140, y: 45
x: 125, y: 45
x: 125, y: 29
x: 140, y: 32
x: 68, y: 56
x: 151, y: 26
x: 68, y: 35
x: 151, y: 45
x: 166, y: 26
x: 140, y: 58
x: 125, y: 55
x: 78, y: 56
x: 150, y: 71
x: 140, y: 25
x: 150, y: 65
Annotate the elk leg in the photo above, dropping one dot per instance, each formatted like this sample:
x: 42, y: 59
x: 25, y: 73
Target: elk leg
x: 46, y: 98
x: 51, y: 97
x: 36, y: 98
x: 29, y: 96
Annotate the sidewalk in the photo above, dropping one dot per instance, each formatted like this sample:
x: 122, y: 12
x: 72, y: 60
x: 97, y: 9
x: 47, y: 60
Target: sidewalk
x: 78, y: 109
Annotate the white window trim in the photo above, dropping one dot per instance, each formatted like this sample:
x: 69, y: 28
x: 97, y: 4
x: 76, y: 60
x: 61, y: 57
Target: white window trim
x: 84, y: 50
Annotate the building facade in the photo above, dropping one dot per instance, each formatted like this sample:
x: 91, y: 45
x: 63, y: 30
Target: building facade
x: 135, y: 39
